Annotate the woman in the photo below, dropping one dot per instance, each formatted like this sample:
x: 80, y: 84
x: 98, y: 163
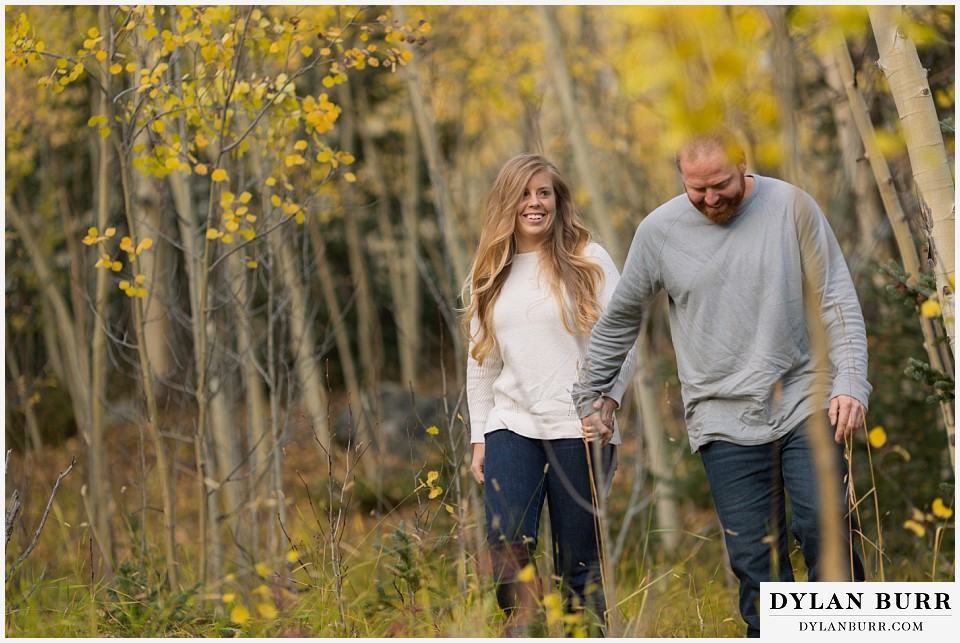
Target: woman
x: 537, y: 286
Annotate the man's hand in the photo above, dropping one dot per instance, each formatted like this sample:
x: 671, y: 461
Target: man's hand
x: 476, y: 464
x: 847, y: 415
x: 599, y: 424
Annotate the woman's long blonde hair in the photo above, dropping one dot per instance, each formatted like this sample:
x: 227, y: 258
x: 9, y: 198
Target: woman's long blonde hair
x: 574, y: 279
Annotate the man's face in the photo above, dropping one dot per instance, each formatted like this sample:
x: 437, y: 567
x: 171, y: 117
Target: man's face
x: 715, y: 185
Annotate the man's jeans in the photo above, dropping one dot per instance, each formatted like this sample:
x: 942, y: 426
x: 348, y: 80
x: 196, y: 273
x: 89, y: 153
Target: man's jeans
x: 519, y: 473
x: 748, y: 484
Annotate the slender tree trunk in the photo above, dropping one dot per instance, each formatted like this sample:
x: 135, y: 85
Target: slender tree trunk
x: 599, y: 212
x: 409, y: 209
x: 303, y: 344
x: 940, y: 357
x: 874, y: 231
x: 397, y: 264
x: 258, y: 435
x: 784, y: 87
x: 161, y: 454
x: 667, y: 511
x: 457, y: 263
x: 32, y: 440
x: 101, y: 502
x: 928, y: 155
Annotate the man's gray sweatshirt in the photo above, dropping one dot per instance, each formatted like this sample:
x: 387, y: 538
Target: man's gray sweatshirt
x: 747, y: 368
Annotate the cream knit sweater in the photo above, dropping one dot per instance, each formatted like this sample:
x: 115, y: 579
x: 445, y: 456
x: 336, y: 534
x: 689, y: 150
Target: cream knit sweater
x: 524, y: 384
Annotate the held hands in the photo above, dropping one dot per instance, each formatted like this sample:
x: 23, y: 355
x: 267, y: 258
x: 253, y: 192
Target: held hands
x: 599, y: 424
x: 847, y: 415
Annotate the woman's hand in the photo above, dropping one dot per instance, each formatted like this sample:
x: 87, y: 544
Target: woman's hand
x: 476, y: 464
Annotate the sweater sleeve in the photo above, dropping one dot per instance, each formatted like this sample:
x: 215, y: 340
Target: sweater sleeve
x: 615, y: 334
x: 480, y: 379
x: 832, y: 292
x: 611, y: 279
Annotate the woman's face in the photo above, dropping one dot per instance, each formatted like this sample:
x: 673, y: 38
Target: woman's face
x: 536, y: 212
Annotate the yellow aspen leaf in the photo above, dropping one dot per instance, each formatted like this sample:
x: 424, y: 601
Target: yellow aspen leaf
x: 407, y: 56
x: 271, y: 182
x: 93, y: 32
x: 248, y: 234
x: 158, y: 126
x: 226, y: 199
x: 262, y: 569
x: 350, y: 177
x: 263, y: 591
x: 293, y: 555
x: 435, y: 491
x: 124, y: 284
x: 239, y: 615
x: 116, y: 68
x: 300, y: 145
x: 104, y: 132
x: 150, y: 33
x: 131, y: 67
x: 252, y: 264
x: 228, y: 598
x: 227, y: 238
x: 294, y: 159
x: 126, y: 244
x: 139, y: 279
x: 232, y: 226
x: 930, y: 308
x: 432, y: 477
x: 433, y: 430
x: 448, y: 508
x: 916, y: 528
x: 116, y: 266
x: 245, y: 197
x: 212, y: 233
x: 89, y: 43
x: 527, y: 574
x: 109, y: 232
x: 307, y: 51
x: 300, y: 217
x: 290, y: 208
x: 252, y: 218
x: 200, y: 169
x: 172, y: 163
x: 275, y: 200
x: 219, y: 174
x: 101, y: 55
x: 877, y: 437
x: 940, y: 510
x: 141, y: 292
x: 267, y: 610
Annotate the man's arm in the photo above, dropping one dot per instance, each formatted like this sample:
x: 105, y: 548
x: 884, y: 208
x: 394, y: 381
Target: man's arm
x: 616, y: 332
x: 832, y: 291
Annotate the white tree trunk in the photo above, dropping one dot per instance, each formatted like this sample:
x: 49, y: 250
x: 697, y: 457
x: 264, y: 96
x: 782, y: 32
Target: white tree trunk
x: 928, y: 156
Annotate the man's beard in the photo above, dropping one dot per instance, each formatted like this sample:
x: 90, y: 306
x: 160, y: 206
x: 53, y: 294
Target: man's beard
x: 730, y: 206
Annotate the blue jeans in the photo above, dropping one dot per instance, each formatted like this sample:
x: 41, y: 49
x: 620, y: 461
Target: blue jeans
x: 748, y: 485
x: 519, y: 473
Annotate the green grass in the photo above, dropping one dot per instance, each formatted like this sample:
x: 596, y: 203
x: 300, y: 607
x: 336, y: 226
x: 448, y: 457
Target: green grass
x: 416, y: 570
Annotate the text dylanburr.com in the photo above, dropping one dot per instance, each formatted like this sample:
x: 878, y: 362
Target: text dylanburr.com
x: 856, y: 611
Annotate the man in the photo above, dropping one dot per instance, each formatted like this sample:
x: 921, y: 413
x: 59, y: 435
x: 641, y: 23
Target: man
x: 743, y: 259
